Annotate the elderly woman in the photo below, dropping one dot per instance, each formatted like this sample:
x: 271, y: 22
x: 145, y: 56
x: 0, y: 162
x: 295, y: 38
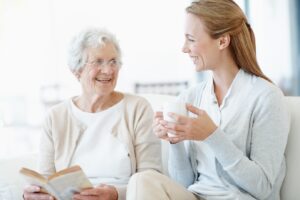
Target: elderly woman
x: 108, y: 133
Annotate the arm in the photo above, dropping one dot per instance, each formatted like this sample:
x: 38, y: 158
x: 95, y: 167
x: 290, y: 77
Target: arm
x: 257, y: 173
x: 45, y: 164
x: 147, y: 147
x: 180, y: 168
x: 46, y: 150
x: 143, y: 144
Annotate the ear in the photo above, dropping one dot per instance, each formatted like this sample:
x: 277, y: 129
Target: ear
x: 224, y: 41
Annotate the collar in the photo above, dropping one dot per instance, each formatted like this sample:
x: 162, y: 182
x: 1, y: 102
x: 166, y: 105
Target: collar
x: 235, y: 87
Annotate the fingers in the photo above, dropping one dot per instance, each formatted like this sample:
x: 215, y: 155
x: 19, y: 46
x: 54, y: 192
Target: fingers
x: 194, y: 109
x: 100, y: 192
x: 180, y: 119
x: 32, y: 192
x: 176, y: 139
x: 37, y: 196
x: 84, y: 197
x: 158, y: 114
x: 175, y: 128
x: 158, y: 126
x: 92, y: 191
x: 176, y: 133
x: 160, y: 131
x: 161, y: 127
x: 32, y: 188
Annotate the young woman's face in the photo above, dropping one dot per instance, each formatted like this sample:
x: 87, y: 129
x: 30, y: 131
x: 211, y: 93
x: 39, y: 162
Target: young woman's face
x: 99, y: 75
x: 202, y: 49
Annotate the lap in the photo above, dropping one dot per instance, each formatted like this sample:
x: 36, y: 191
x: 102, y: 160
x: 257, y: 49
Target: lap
x: 151, y: 182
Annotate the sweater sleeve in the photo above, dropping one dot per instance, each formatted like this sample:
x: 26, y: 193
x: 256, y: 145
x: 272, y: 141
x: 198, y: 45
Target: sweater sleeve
x: 180, y: 168
x: 147, y: 146
x: 179, y: 164
x: 257, y: 172
x: 46, y: 149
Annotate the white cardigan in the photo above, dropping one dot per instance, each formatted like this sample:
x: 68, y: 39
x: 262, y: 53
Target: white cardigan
x: 62, y: 131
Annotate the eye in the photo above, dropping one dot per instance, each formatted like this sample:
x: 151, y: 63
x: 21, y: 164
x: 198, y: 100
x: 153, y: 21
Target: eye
x: 114, y: 62
x: 99, y: 62
x: 190, y: 40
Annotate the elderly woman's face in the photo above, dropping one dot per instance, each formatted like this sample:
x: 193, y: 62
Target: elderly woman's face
x: 99, y: 75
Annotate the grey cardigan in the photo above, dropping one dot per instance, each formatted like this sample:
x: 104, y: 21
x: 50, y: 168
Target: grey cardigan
x: 62, y: 132
x: 249, y: 149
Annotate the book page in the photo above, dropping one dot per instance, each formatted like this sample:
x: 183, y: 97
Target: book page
x: 33, y: 174
x: 65, y: 171
x: 68, y: 184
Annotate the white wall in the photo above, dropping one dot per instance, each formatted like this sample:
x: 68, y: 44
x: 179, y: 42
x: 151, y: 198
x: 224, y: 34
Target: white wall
x: 150, y: 35
x: 271, y: 24
x: 35, y: 33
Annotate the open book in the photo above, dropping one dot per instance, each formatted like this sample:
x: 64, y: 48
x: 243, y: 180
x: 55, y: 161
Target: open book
x: 62, y: 185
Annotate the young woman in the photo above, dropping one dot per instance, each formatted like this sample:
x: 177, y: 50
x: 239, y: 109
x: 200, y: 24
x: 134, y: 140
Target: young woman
x: 232, y: 144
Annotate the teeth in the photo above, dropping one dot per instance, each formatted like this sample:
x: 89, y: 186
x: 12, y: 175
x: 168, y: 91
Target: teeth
x: 102, y: 79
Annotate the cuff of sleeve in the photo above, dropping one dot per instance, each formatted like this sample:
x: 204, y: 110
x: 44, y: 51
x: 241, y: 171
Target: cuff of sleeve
x: 224, y: 149
x: 121, y: 191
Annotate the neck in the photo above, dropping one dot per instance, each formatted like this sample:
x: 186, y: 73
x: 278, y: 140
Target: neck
x: 97, y: 103
x: 223, y: 77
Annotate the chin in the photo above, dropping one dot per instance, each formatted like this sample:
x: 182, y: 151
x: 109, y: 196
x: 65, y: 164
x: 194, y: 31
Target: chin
x: 199, y: 68
x: 104, y: 91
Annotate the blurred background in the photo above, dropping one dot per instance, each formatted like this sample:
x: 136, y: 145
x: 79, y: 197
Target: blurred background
x: 34, y: 35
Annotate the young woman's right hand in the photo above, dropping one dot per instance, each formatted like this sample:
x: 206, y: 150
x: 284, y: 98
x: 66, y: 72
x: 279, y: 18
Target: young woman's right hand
x: 32, y: 192
x: 159, y: 130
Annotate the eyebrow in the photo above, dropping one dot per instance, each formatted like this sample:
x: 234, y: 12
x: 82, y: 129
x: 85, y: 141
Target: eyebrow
x: 188, y: 35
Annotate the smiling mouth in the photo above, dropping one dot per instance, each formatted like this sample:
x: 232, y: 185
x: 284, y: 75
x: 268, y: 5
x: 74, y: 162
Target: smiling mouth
x: 194, y: 59
x: 103, y: 80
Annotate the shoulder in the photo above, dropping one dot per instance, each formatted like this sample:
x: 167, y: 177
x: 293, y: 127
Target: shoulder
x: 133, y: 100
x: 266, y: 90
x: 59, y: 108
x: 267, y: 98
x: 135, y: 103
x: 59, y: 112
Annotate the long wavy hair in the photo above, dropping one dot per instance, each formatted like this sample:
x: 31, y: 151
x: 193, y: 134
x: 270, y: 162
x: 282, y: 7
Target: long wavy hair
x: 226, y: 17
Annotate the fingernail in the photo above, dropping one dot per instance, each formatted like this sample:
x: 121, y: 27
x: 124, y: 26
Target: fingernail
x: 51, y: 198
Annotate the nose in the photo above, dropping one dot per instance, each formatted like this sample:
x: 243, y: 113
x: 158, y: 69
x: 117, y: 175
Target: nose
x: 106, y: 68
x: 185, y: 49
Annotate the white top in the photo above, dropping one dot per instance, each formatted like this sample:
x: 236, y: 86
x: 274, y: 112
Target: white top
x: 102, y: 157
x: 210, y: 183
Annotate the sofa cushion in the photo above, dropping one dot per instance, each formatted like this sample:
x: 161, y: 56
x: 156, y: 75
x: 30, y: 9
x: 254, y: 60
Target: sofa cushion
x: 11, y: 184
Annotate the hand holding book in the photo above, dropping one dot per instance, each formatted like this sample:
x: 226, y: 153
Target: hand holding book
x: 103, y: 192
x: 62, y: 185
x: 36, y: 192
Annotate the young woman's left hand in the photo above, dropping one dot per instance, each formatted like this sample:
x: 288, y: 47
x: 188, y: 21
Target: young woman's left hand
x: 101, y: 192
x: 187, y: 128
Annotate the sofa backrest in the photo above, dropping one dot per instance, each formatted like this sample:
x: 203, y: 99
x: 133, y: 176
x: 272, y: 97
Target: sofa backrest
x: 290, y: 188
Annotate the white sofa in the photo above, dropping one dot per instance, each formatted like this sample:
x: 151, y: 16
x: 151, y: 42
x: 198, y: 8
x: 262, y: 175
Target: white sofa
x: 11, y: 183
